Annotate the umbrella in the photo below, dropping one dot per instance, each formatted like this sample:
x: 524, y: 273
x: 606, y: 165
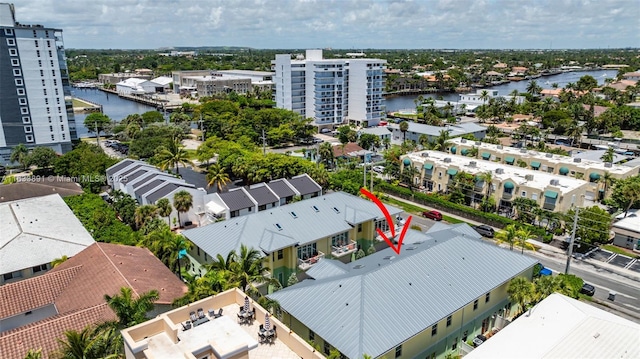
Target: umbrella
x: 267, y: 324
x: 246, y: 304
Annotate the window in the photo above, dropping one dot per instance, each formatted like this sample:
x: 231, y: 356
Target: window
x: 38, y: 53
x: 58, y: 100
x: 11, y: 42
x: 359, y: 227
x: 465, y: 335
x: 534, y: 196
x: 64, y: 137
x: 61, y: 127
x: 43, y: 83
x: 487, y: 297
x: 48, y: 43
x: 340, y: 240
x: 26, y: 119
x: 36, y: 42
x: 312, y: 335
x: 40, y: 63
x: 29, y: 138
x: 46, y: 101
x: 35, y: 34
x: 327, y: 348
x: 15, y: 62
x: 50, y: 53
x: 8, y: 32
x: 55, y: 82
x: 13, y: 52
x: 28, y: 129
x: 42, y: 73
x: 22, y: 101
x: 39, y: 268
x: 44, y: 91
x: 17, y: 72
x: 51, y: 63
x: 20, y: 91
x: 53, y: 72
x: 19, y: 82
x: 448, y: 321
x: 49, y: 119
x: 280, y: 254
x: 24, y: 110
x: 307, y: 251
x: 455, y: 343
x: 523, y: 194
x: 56, y: 92
x: 53, y: 137
x: 475, y: 304
x: 399, y: 351
x: 434, y: 329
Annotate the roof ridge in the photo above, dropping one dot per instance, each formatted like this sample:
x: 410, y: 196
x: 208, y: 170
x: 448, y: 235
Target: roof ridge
x: 361, y: 334
x: 118, y: 269
x: 17, y: 222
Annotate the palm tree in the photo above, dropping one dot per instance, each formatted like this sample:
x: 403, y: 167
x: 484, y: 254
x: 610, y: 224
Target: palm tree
x: 442, y: 141
x: 608, y: 155
x: 34, y: 354
x: 523, y: 234
x: 487, y: 178
x: 144, y: 214
x: 20, y: 154
x: 248, y: 269
x: 216, y: 175
x: 164, y: 208
x: 325, y: 151
x: 484, y: 96
x: 608, y: 181
x: 174, y: 155
x: 520, y: 291
x: 404, y: 127
x: 129, y: 310
x: 182, y: 202
x: 89, y: 343
x: 533, y: 88
x: 507, y: 235
x: 545, y: 286
x: 173, y: 247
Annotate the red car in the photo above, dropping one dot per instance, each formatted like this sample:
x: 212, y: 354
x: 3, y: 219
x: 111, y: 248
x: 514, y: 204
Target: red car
x: 435, y: 215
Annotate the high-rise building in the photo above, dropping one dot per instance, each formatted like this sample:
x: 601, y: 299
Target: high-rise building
x: 331, y: 91
x: 35, y: 99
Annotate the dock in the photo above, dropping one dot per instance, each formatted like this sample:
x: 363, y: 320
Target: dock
x: 159, y: 105
x: 81, y: 105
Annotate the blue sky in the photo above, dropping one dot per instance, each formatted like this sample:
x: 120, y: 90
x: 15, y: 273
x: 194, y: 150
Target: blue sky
x: 344, y: 24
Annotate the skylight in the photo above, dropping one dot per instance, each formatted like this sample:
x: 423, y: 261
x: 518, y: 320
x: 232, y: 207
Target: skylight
x: 336, y: 209
x: 293, y: 214
x: 315, y: 208
x: 278, y: 226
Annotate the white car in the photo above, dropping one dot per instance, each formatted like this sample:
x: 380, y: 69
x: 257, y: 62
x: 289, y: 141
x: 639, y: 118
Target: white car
x: 378, y: 169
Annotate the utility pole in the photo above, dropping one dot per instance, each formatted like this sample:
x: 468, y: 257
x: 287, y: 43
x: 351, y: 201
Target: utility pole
x: 264, y: 143
x: 201, y: 127
x: 97, y: 133
x: 573, y: 238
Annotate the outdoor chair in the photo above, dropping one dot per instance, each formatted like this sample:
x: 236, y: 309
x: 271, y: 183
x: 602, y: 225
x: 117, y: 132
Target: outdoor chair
x: 219, y: 314
x: 192, y: 316
x: 186, y: 325
x: 200, y: 313
x: 262, y: 336
x: 212, y: 313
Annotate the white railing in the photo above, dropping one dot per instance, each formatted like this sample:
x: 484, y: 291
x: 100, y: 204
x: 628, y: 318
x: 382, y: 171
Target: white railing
x: 340, y: 251
x: 305, y: 264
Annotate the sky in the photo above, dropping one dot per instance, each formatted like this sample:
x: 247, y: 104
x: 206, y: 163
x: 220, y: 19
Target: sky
x: 339, y: 24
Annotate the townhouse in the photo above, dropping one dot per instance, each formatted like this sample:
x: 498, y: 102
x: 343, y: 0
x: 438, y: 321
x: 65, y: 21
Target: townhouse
x: 416, y: 130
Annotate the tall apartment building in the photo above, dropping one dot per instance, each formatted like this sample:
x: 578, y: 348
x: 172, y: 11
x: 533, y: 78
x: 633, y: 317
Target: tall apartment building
x: 36, y: 107
x: 331, y: 91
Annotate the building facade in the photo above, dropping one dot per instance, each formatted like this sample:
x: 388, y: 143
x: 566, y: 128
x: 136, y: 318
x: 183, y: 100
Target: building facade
x: 434, y: 171
x: 211, y: 82
x: 331, y: 91
x: 34, y: 86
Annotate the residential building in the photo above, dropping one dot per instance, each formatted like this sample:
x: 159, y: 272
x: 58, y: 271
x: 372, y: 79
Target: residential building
x: 141, y: 86
x: 416, y: 130
x: 296, y: 236
x: 588, y: 170
x: 71, y: 296
x: 627, y: 230
x: 562, y: 327
x: 147, y: 184
x: 167, y: 336
x: 382, y: 132
x: 211, y: 82
x: 35, y: 231
x: 259, y: 197
x: 38, y: 187
x: 331, y: 91
x: 351, y: 152
x: 435, y: 172
x: 114, y: 78
x: 422, y: 303
x: 34, y: 86
x: 632, y: 76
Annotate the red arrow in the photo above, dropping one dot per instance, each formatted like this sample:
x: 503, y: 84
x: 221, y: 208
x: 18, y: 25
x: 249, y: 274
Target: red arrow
x: 375, y: 200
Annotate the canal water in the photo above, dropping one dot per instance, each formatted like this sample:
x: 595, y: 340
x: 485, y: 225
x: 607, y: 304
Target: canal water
x: 398, y: 103
x: 112, y: 105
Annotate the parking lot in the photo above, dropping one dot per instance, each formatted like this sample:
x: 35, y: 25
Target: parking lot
x: 615, y: 259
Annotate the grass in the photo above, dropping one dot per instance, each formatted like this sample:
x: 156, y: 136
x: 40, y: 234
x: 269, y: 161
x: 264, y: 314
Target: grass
x: 618, y: 250
x: 417, y: 210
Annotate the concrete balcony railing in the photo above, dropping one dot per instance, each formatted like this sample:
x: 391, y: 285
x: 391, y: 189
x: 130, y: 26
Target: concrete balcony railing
x: 305, y: 264
x: 341, y: 251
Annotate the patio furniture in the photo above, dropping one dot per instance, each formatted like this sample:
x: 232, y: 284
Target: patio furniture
x: 192, y: 316
x: 200, y: 313
x: 212, y: 313
x: 218, y: 315
x: 186, y: 325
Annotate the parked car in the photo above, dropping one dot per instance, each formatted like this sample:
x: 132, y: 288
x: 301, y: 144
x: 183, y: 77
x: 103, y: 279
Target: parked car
x: 485, y: 230
x: 3, y: 170
x: 435, y: 215
x: 588, y: 289
x: 378, y: 169
x: 325, y: 130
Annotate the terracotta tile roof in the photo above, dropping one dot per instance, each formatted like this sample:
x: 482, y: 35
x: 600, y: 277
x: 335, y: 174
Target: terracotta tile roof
x: 339, y: 151
x: 597, y: 110
x: 45, y: 333
x: 40, y: 187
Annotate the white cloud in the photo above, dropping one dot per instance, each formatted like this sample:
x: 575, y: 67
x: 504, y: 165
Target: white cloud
x: 339, y: 23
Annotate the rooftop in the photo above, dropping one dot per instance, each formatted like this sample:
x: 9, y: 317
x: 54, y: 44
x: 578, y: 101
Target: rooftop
x: 539, y: 180
x: 454, y: 130
x: 38, y: 187
x: 237, y: 199
x: 553, y: 158
x: 596, y: 155
x: 631, y: 222
x: 285, y: 226
x: 378, y: 131
x: 304, y: 184
x: 38, y: 230
x: 437, y: 270
x: 561, y: 327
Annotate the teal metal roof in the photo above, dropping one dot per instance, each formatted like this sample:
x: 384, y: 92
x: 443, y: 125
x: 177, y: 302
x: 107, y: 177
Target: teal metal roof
x: 551, y: 194
x: 452, y: 171
x: 428, y: 166
x: 563, y: 170
x: 464, y: 152
x: 486, y: 155
x: 509, y: 185
x: 535, y: 164
x: 453, y: 149
x: 594, y: 176
x: 509, y: 159
x: 406, y: 162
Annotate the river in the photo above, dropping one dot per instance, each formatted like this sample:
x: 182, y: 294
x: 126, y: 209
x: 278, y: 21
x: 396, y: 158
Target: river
x: 407, y: 102
x: 112, y: 105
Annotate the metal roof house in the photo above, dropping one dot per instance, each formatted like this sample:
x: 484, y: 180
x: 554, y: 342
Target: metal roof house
x: 295, y: 236
x: 418, y: 129
x: 305, y: 187
x: 422, y: 303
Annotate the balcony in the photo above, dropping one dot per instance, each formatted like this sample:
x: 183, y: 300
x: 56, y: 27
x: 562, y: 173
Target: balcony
x: 549, y: 206
x: 341, y: 251
x: 305, y: 264
x: 507, y: 196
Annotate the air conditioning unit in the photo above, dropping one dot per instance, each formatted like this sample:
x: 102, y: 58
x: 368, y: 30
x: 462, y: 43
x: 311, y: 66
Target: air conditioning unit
x: 608, y: 164
x: 464, y: 140
x: 549, y: 155
x: 577, y: 160
x: 478, y: 143
x: 472, y: 164
x: 528, y: 177
x: 424, y: 154
x: 499, y: 147
x: 555, y: 182
x: 500, y: 171
x: 447, y: 160
x: 523, y: 150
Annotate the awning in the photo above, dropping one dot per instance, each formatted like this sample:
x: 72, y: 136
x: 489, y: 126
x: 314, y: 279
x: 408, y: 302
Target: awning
x: 464, y: 152
x: 486, y: 155
x: 563, y: 171
x: 428, y: 166
x: 453, y: 149
x: 215, y: 208
x: 551, y: 194
x: 509, y: 185
x: 535, y: 164
x: 594, y: 176
x: 406, y: 162
x: 452, y: 171
x: 509, y: 160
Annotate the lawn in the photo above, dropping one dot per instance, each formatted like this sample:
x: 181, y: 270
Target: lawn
x: 618, y: 250
x: 417, y: 210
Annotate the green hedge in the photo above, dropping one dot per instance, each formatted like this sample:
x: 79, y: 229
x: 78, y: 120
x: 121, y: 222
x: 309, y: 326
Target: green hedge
x: 462, y: 210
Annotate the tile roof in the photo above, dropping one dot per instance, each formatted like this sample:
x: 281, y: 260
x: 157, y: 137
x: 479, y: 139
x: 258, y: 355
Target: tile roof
x: 305, y: 185
x: 63, y: 186
x: 77, y: 288
x: 237, y: 199
x: 346, y: 150
x: 432, y: 273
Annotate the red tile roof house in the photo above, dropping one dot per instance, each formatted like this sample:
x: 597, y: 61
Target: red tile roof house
x: 35, y: 312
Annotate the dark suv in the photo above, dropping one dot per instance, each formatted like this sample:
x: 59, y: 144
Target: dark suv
x: 485, y: 230
x: 588, y: 289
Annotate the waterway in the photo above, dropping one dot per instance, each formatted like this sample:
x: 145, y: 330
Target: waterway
x: 398, y: 103
x: 112, y: 105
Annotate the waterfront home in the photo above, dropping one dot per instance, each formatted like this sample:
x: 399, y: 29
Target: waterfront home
x: 439, y: 292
